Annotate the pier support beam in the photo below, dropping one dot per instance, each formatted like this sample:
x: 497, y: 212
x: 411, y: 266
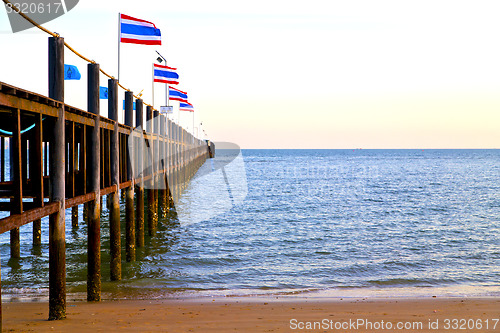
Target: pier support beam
x: 156, y: 166
x: 85, y: 215
x: 150, y: 191
x: 94, y: 224
x: 176, y: 163
x: 2, y: 159
x: 74, y: 217
x: 170, y: 163
x: 168, y: 131
x: 139, y: 188
x: 129, y: 196
x: 57, y: 243
x: 129, y: 224
x: 72, y: 167
x: 37, y: 233
x: 162, y: 200
x: 114, y: 213
x: 16, y: 163
x: 36, y: 175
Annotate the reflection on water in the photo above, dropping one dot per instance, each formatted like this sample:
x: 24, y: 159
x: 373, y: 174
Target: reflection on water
x: 28, y: 275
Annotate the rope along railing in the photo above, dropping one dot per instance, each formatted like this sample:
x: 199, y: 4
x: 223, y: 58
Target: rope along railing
x: 53, y: 34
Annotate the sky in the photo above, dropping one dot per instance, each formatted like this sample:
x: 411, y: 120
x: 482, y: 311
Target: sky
x: 295, y: 74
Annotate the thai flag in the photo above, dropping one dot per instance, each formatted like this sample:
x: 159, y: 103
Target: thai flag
x: 137, y: 31
x: 186, y: 107
x: 177, y: 95
x: 165, y: 74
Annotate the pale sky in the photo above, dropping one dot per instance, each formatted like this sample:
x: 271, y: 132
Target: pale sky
x: 296, y: 74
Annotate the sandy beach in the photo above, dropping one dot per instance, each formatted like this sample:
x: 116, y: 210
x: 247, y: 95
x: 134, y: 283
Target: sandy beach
x: 261, y: 315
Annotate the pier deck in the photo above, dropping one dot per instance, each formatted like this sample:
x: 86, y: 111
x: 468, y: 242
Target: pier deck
x: 54, y: 156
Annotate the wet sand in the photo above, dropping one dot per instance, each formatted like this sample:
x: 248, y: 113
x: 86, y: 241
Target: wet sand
x: 259, y: 315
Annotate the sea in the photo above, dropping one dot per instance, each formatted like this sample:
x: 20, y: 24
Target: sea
x: 313, y: 223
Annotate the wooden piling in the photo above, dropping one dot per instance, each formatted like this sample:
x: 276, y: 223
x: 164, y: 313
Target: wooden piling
x: 177, y: 162
x: 94, y: 224
x: 170, y: 162
x: 129, y: 196
x: 16, y: 203
x: 85, y: 214
x: 57, y: 247
x: 71, y: 187
x: 139, y: 188
x: 37, y: 232
x: 183, y: 156
x: 173, y: 162
x: 156, y: 168
x: 36, y: 174
x: 74, y: 217
x: 179, y: 158
x: 108, y: 197
x: 162, y: 200
x: 2, y: 159
x: 83, y: 167
x: 150, y: 191
x: 167, y: 164
x: 114, y: 213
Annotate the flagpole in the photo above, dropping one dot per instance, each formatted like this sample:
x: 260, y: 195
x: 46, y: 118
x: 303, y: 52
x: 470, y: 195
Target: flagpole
x: 166, y: 84
x: 119, y: 42
x: 153, y: 85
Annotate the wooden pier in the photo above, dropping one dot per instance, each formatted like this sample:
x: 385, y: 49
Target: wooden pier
x: 62, y: 157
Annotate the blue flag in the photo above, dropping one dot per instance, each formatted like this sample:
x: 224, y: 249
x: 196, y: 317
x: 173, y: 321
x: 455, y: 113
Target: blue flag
x: 71, y: 73
x: 103, y: 92
x: 124, y: 105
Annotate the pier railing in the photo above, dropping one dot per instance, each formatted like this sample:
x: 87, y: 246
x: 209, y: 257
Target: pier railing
x: 62, y: 157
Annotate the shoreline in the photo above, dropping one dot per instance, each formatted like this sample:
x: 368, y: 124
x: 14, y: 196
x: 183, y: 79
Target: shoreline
x: 257, y: 314
x: 144, y: 293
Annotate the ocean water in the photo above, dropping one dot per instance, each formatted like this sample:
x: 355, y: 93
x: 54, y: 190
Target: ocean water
x: 308, y: 222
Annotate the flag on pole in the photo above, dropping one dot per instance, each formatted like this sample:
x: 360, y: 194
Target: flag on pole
x: 186, y: 107
x: 71, y: 72
x: 124, y: 105
x: 137, y: 31
x: 165, y: 74
x: 177, y: 95
x: 103, y: 92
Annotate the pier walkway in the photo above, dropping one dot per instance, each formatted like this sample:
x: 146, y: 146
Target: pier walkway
x: 60, y: 157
